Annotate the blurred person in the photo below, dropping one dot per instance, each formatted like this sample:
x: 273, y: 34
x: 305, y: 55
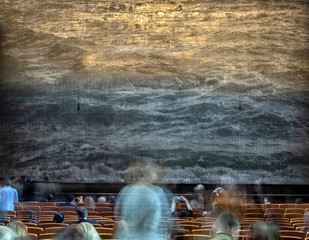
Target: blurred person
x: 226, y: 227
x: 45, y: 188
x: 69, y: 202
x: 13, y: 181
x: 77, y: 200
x: 28, y: 189
x: 58, y: 217
x: 181, y: 212
x: 8, y: 196
x: 102, y: 199
x: 88, y: 231
x: 141, y: 204
x: 299, y: 201
x: 219, y: 201
x: 198, y: 198
x: 19, y: 228
x: 69, y: 233
x: 7, y: 233
x: 306, y: 222
x: 264, y: 231
x: 89, y: 202
x: 82, y: 215
x: 111, y: 199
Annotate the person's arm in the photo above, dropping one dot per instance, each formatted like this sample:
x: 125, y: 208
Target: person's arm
x: 15, y: 196
x: 173, y: 208
x: 189, y: 207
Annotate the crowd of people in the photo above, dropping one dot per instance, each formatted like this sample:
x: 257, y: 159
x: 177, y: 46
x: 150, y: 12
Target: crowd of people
x: 142, y: 206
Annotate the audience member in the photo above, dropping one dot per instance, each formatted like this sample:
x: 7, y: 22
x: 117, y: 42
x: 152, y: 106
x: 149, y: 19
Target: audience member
x: 69, y: 233
x: 82, y: 214
x: 102, y: 199
x: 8, y: 196
x: 19, y: 228
x: 58, y: 217
x: 219, y: 201
x: 88, y: 231
x: 69, y: 202
x: 306, y: 223
x: 141, y: 205
x: 198, y: 198
x: 89, y: 202
x: 28, y: 189
x: 299, y: 201
x: 78, y: 200
x: 7, y: 233
x: 181, y: 212
x: 44, y: 189
x: 264, y: 231
x: 225, y: 227
x: 50, y: 198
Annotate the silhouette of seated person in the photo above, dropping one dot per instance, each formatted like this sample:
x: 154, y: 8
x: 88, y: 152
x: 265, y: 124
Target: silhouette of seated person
x: 69, y: 202
x: 58, y: 218
x: 82, y: 214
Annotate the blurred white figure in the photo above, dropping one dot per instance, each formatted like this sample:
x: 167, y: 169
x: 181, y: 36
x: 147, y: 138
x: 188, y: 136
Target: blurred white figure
x: 141, y: 206
x: 198, y: 198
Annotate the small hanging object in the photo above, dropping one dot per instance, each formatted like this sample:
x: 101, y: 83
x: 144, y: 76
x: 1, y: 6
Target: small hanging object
x: 78, y: 106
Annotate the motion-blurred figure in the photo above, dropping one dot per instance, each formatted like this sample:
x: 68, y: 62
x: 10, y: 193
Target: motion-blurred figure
x: 198, y: 198
x: 264, y: 231
x: 141, y: 205
x: 19, y: 228
x: 88, y: 231
x: 8, y: 196
x: 7, y: 233
x: 226, y: 227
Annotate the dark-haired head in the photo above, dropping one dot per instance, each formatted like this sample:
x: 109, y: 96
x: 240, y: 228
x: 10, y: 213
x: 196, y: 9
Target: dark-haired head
x: 58, y: 218
x: 70, y: 198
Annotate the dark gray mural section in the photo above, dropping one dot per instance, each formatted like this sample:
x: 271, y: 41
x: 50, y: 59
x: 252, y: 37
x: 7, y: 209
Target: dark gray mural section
x: 207, y: 90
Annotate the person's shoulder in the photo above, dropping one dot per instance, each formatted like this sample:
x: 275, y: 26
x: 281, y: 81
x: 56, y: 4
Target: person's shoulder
x: 221, y: 236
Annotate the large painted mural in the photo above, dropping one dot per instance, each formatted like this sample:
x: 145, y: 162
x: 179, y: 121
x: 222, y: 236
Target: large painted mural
x: 208, y: 90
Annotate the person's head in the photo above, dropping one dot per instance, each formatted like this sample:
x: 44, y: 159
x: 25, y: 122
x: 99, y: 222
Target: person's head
x: 199, y: 188
x: 227, y: 223
x: 58, y: 218
x: 13, y: 179
x: 219, y: 199
x: 7, y: 182
x: 89, y: 201
x: 82, y: 213
x: 102, y: 199
x: 299, y: 201
x: 50, y: 197
x: 88, y: 231
x: 264, y: 231
x: 7, y: 233
x: 77, y: 200
x: 70, y: 233
x: 19, y: 228
x: 182, y: 212
x: 143, y: 172
x: 70, y: 198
